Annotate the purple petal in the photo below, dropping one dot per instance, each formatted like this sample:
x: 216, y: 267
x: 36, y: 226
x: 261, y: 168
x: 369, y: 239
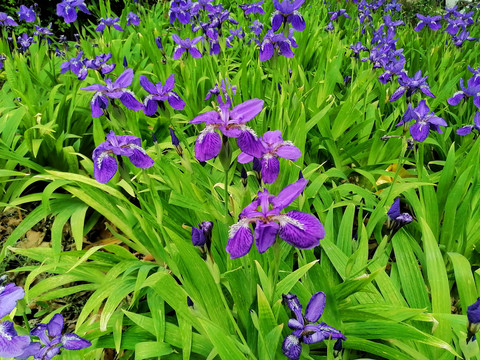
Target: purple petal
x: 129, y: 101
x: 277, y: 21
x: 11, y: 345
x: 294, y: 305
x: 55, y: 325
x: 195, y: 53
x: 397, y: 94
x: 465, y: 130
x: 290, y: 152
x: 210, y: 117
x: 476, y: 101
x: 419, y: 131
x: 240, y: 239
x: 118, y: 27
x: 315, y: 307
x: 291, y: 347
x: 246, y: 111
x: 31, y: 350
x: 285, y: 49
x: 95, y: 87
x: 175, y: 101
x: 426, y: 90
x: 270, y: 168
x: 104, y: 165
x: 74, y: 342
x: 394, y: 210
x: 266, y: 50
x: 124, y: 80
x: 70, y: 15
x: 198, y: 237
x: 297, y: 21
x: 265, y: 235
x: 177, y: 54
x: 9, y: 295
x: 288, y: 194
x: 244, y: 158
x: 148, y: 85
x: 140, y: 159
x: 476, y: 120
x: 150, y: 107
x: 273, y: 138
x: 208, y: 144
x: 249, y: 143
x: 169, y: 83
x: 320, y: 332
x: 301, y: 230
x: 100, y: 27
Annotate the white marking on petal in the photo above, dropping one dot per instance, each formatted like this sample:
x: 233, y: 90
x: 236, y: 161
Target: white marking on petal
x: 4, y: 334
x: 284, y: 220
x: 204, y: 132
x: 235, y: 227
x: 100, y: 159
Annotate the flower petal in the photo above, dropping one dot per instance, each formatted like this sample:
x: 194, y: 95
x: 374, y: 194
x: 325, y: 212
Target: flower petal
x: 72, y: 341
x: 244, y: 158
x: 289, y: 193
x: 249, y: 143
x: 124, y: 80
x: 246, y: 111
x: 265, y: 235
x: 55, y: 325
x: 300, y: 229
x: 315, y: 307
x: 210, y: 117
x: 9, y: 295
x: 294, y: 305
x: 240, y: 239
x: 148, y: 85
x: 270, y: 169
x: 291, y: 347
x: 290, y: 152
x: 11, y: 344
x: 175, y: 101
x: 419, y: 131
x: 208, y: 144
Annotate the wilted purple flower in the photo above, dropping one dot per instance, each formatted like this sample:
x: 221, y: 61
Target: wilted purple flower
x: 277, y: 42
x: 25, y: 41
x: 473, y: 90
x: 132, y: 19
x: 335, y: 14
x: 66, y: 9
x: 252, y: 8
x: 465, y: 130
x: 160, y: 93
x: 425, y: 121
x: 43, y: 31
x: 273, y: 148
x: 462, y: 37
x: 26, y: 14
x: 113, y: 90
x: 396, y: 217
x: 433, y: 22
x: 51, y: 337
x: 235, y: 33
x: 411, y: 85
x: 109, y: 22
x: 287, y: 12
x: 215, y: 91
x: 6, y: 20
x: 299, y: 229
x: 232, y: 124
x: 473, y: 316
x: 105, y: 165
x: 329, y: 27
x: 203, y: 234
x: 357, y: 48
x: 180, y: 10
x: 303, y: 330
x: 256, y: 27
x: 186, y: 45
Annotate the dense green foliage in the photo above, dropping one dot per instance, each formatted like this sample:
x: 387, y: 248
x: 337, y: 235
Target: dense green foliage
x: 394, y: 296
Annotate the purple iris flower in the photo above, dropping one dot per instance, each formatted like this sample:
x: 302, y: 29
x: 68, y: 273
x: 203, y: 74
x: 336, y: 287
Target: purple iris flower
x: 132, y: 19
x: 287, y: 12
x: 204, y: 5
x: 160, y: 93
x: 212, y: 37
x: 67, y: 9
x: 11, y: 344
x: 336, y: 14
x: 329, y: 27
x: 365, y: 16
x: 411, y: 85
x: 109, y: 22
x: 277, y: 42
x: 390, y: 24
x: 473, y: 316
x: 180, y: 9
x: 451, y: 12
x: 425, y: 121
x: 304, y: 329
x: 253, y: 8
x: 465, y: 130
x: 397, y: 218
x: 105, y: 165
x: 256, y: 27
x: 219, y: 16
x: 215, y: 91
x: 43, y: 31
x: 235, y: 33
x: 273, y: 148
x: 357, y: 48
x: 473, y: 70
x: 203, y: 234
x: 186, y: 45
x: 25, y: 41
x: 433, y: 22
x: 113, y: 90
x: 6, y: 20
x: 232, y: 124
x: 391, y: 68
x: 299, y: 229
x: 454, y: 25
x: 462, y: 37
x: 26, y: 14
x: 393, y: 6
x: 472, y: 90
x: 51, y: 337
x: 74, y: 64
x: 100, y: 64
